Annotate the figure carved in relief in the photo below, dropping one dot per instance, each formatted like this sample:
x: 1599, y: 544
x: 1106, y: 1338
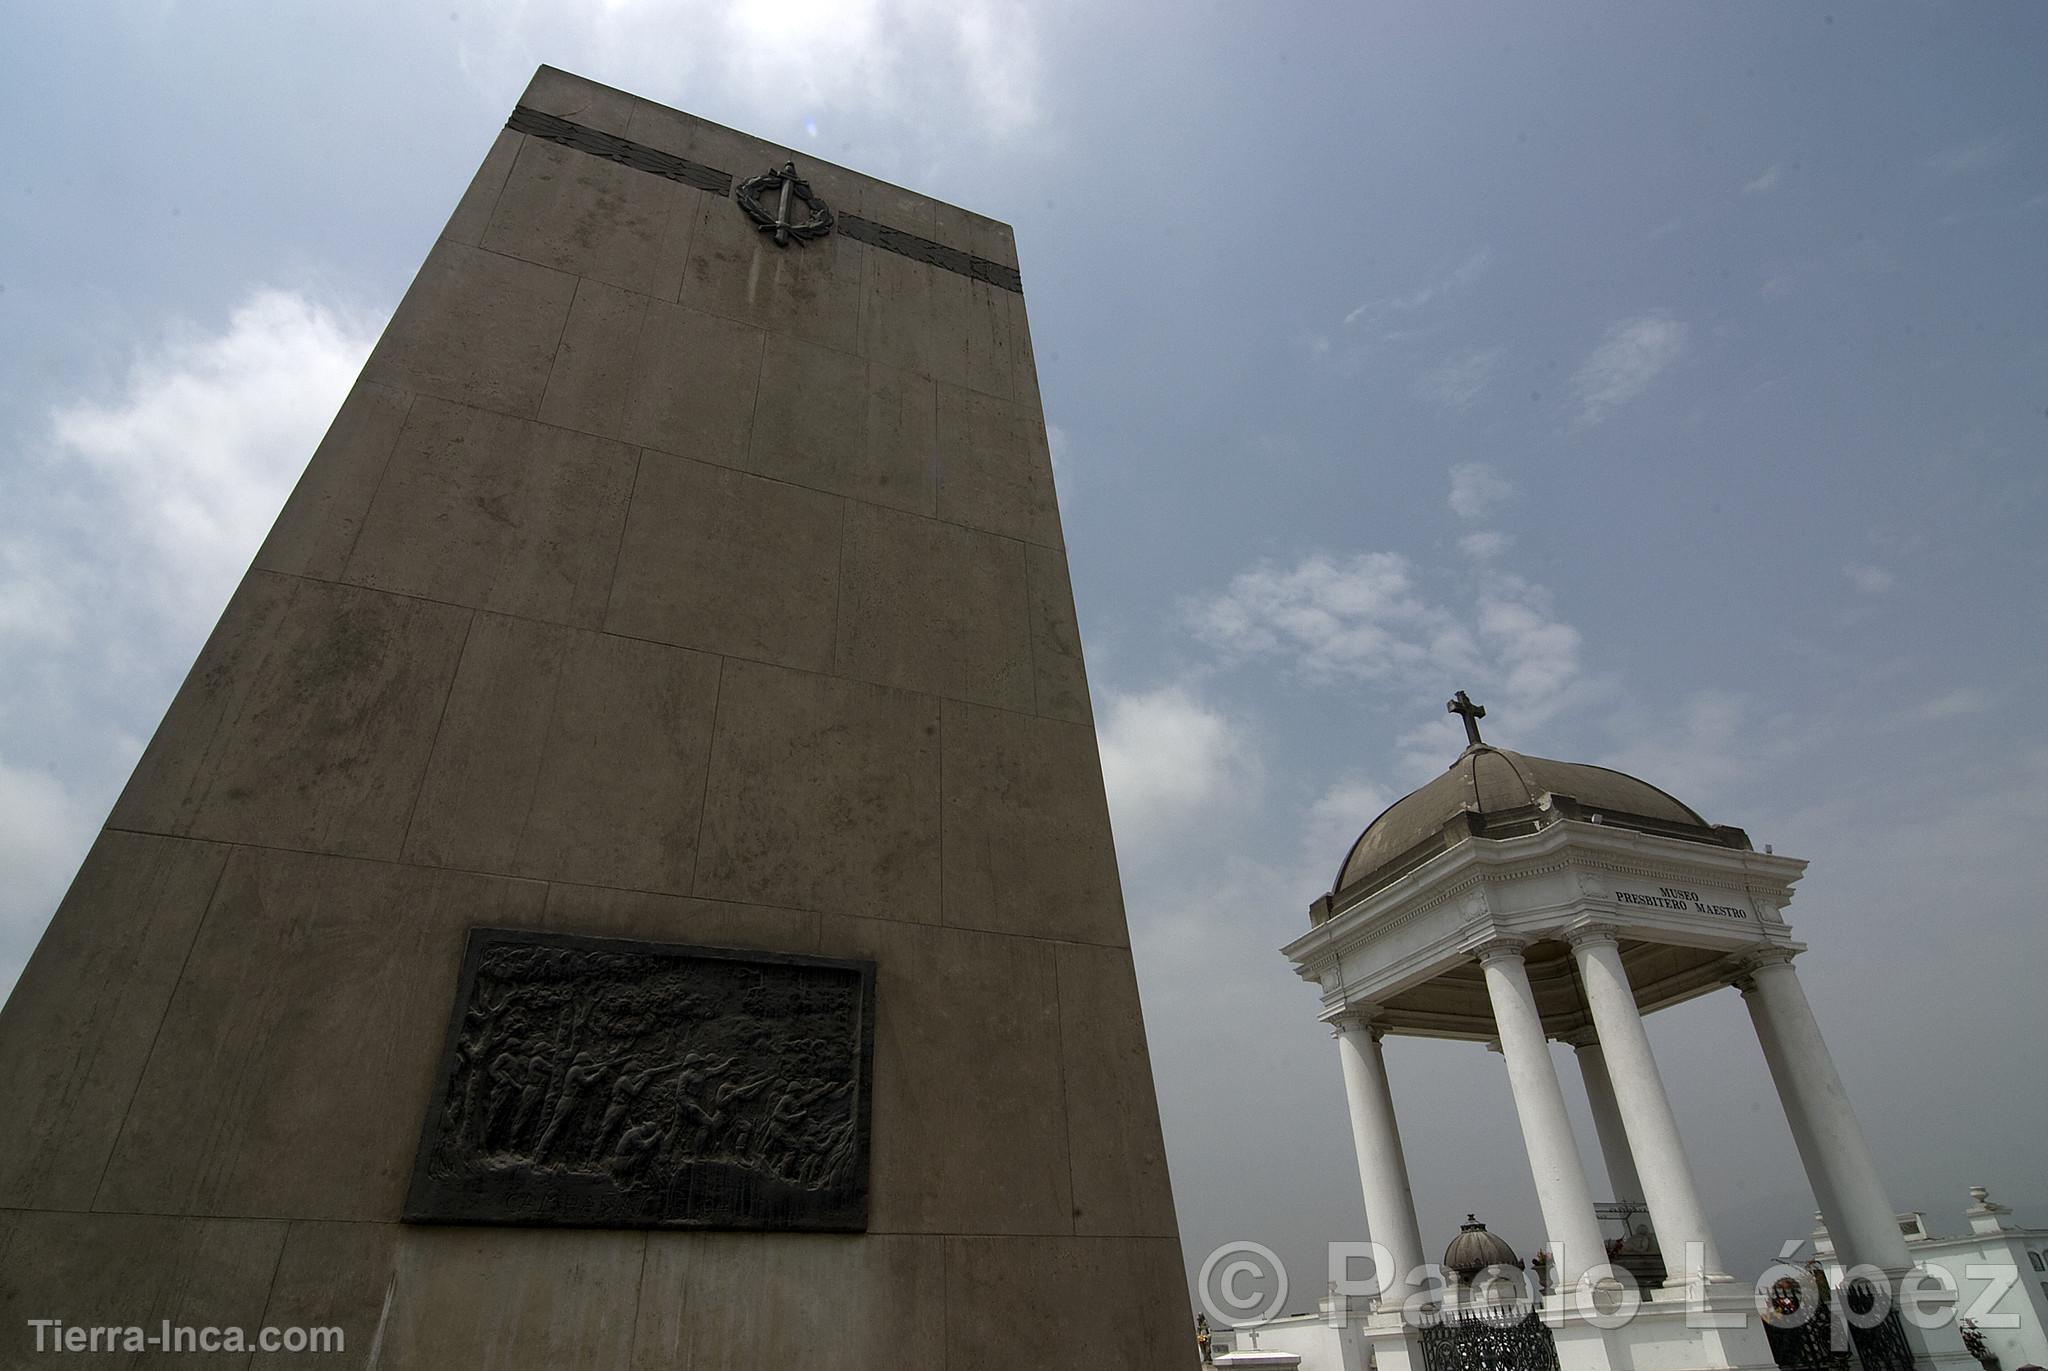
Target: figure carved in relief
x: 668, y: 1083
x: 583, y: 1074
x: 524, y: 1072
x: 635, y: 1075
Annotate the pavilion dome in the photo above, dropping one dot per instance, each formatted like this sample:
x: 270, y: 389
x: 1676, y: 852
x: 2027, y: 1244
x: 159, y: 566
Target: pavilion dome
x: 1475, y: 1249
x: 1490, y: 792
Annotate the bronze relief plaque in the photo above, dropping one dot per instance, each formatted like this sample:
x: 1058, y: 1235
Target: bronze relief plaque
x: 609, y: 1083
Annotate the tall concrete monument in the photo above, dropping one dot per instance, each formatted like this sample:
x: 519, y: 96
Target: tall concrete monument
x: 627, y: 882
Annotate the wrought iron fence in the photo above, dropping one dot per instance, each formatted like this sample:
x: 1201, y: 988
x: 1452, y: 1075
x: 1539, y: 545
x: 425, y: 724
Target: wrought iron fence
x: 1803, y: 1341
x: 1496, y: 1338
x: 1881, y: 1344
x: 1807, y: 1346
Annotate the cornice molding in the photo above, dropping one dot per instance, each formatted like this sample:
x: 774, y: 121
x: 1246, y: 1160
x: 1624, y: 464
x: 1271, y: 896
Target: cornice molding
x: 1386, y: 913
x: 1565, y: 846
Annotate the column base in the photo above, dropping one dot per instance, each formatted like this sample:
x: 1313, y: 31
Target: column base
x: 1390, y: 1341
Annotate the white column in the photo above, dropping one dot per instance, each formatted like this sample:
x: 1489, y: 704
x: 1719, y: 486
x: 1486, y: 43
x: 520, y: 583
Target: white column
x: 1653, y: 1137
x: 1561, y: 1190
x: 1621, y: 1165
x: 1831, y: 1143
x: 1382, y: 1167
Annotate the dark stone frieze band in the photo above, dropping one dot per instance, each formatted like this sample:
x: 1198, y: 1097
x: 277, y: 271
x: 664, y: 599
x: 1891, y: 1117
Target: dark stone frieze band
x: 925, y: 250
x: 605, y: 1082
x: 640, y: 157
x: 612, y: 148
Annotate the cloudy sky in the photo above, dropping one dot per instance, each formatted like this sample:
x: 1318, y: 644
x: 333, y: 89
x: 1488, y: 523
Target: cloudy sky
x: 1672, y: 378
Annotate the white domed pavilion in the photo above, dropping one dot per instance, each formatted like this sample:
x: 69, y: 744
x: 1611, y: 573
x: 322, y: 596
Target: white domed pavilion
x: 1516, y: 899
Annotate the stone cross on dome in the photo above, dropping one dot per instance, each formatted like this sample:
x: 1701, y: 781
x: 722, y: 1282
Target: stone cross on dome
x: 1461, y: 704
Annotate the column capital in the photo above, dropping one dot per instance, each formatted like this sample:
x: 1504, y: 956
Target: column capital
x: 1500, y: 950
x: 1750, y: 963
x: 1358, y: 1018
x: 1593, y: 935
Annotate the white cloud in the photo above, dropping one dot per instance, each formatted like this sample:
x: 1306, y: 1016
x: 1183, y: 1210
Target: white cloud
x: 35, y: 611
x: 1871, y: 580
x: 44, y: 830
x: 1962, y: 158
x: 1397, y: 319
x: 1360, y: 617
x: 1955, y: 704
x: 130, y: 525
x: 1469, y: 270
x: 1061, y: 447
x: 1518, y: 623
x: 1767, y: 181
x: 1452, y: 282
x: 1424, y: 748
x: 1702, y: 752
x: 1368, y: 618
x: 1478, y: 490
x: 1485, y: 544
x: 1630, y: 355
x: 923, y: 74
x: 192, y: 458
x: 1336, y: 818
x: 826, y: 53
x: 1459, y: 380
x: 1167, y: 759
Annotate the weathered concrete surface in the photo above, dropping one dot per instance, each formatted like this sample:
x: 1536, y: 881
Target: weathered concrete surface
x: 654, y: 582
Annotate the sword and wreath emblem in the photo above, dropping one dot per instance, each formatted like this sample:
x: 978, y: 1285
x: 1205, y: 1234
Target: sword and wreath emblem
x: 786, y: 185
